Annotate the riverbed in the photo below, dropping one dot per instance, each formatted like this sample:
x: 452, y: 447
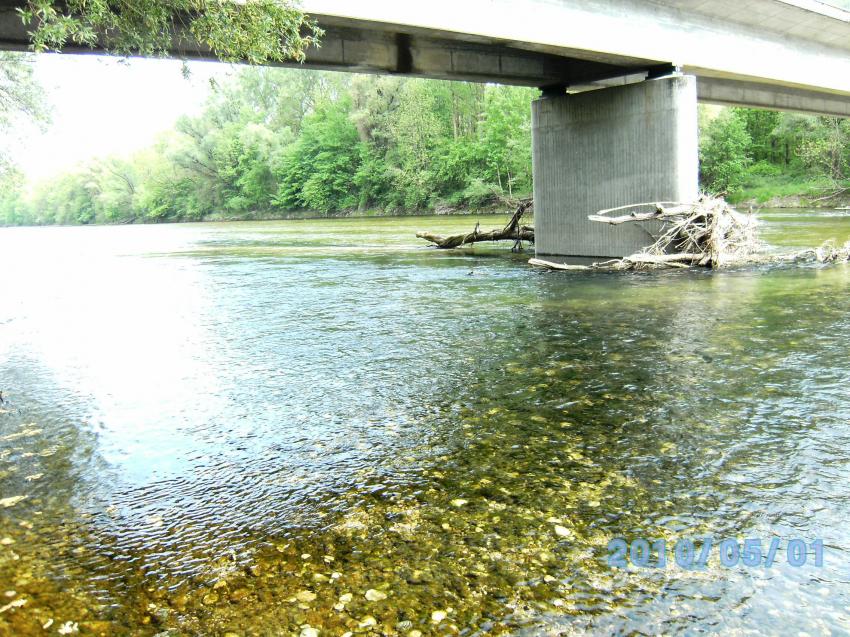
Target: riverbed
x: 324, y: 426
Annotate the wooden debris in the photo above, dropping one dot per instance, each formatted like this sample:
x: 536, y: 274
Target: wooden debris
x: 513, y: 231
x: 832, y: 195
x: 552, y: 265
x: 707, y: 233
x: 827, y: 253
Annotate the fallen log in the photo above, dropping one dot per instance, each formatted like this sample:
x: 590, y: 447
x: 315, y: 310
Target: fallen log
x: 832, y: 195
x: 631, y: 262
x: 513, y: 231
x: 553, y: 265
x: 660, y: 212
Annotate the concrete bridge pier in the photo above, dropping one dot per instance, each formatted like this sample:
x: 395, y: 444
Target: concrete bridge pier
x: 605, y: 148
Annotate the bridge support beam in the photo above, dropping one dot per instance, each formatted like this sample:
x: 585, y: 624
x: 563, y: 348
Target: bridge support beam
x: 606, y: 148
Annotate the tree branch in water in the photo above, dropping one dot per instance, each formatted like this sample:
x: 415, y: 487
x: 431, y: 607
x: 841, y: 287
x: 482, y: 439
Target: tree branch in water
x: 513, y: 231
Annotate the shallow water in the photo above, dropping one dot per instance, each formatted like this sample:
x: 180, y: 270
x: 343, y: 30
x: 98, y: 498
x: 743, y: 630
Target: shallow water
x: 229, y: 428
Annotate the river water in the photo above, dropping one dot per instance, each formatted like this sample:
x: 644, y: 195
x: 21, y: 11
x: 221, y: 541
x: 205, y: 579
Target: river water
x: 287, y: 427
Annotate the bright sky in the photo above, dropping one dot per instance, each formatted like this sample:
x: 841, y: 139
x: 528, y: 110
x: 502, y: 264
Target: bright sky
x: 104, y: 106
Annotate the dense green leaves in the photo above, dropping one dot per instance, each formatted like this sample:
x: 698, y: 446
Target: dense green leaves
x: 255, y: 31
x: 741, y: 148
x: 725, y: 148
x: 21, y: 104
x: 316, y: 171
x: 827, y: 148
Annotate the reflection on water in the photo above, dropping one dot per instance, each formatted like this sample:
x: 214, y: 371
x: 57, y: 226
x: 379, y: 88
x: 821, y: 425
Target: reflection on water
x: 275, y: 428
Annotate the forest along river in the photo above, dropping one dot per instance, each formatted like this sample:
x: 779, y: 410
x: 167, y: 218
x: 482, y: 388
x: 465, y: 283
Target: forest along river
x: 287, y: 427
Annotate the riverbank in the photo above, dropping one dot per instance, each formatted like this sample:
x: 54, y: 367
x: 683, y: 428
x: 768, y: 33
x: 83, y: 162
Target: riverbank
x: 763, y: 192
x: 504, y: 206
x: 787, y: 191
x: 500, y: 208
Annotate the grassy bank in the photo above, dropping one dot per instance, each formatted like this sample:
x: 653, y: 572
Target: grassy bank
x: 791, y: 191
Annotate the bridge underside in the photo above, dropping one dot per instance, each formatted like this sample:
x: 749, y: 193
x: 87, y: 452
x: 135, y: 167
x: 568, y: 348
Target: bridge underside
x: 380, y: 48
x: 383, y: 49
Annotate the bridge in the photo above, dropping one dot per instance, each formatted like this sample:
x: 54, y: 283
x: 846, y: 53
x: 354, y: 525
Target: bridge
x: 620, y: 80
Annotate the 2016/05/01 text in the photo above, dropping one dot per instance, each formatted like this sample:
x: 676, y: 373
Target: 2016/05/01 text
x: 689, y: 554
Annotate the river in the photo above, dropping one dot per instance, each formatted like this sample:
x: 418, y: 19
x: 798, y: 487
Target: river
x: 315, y: 427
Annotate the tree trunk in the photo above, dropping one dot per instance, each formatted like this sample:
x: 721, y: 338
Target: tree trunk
x: 513, y: 231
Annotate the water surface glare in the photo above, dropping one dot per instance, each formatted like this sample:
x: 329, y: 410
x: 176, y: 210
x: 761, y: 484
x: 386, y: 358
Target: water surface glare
x: 267, y: 428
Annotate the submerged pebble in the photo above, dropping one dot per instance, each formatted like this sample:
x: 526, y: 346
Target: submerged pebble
x: 367, y: 621
x: 210, y: 598
x: 14, y: 604
x: 11, y: 501
x: 375, y: 596
x: 562, y: 531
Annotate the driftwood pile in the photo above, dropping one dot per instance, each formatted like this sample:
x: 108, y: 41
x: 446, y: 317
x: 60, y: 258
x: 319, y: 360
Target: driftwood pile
x: 706, y: 233
x: 513, y: 231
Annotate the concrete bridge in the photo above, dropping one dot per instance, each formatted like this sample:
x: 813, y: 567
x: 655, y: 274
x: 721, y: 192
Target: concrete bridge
x: 620, y: 81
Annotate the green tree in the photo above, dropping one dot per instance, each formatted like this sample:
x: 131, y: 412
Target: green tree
x: 724, y: 149
x: 257, y: 32
x: 117, y: 187
x: 506, y: 135
x: 762, y: 128
x: 14, y: 206
x: 316, y: 171
x: 827, y: 149
x: 419, y: 127
x: 21, y: 104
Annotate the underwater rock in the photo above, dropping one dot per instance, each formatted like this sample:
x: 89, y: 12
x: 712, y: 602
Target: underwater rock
x: 438, y: 615
x: 562, y: 531
x: 210, y: 599
x: 375, y: 596
x: 12, y: 501
x: 15, y: 604
x: 368, y: 621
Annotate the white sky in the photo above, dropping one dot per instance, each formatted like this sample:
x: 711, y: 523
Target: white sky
x: 103, y: 106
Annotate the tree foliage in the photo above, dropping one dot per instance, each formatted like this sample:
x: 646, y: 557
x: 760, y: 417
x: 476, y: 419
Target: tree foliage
x: 827, y: 148
x: 254, y: 31
x: 273, y: 141
x: 743, y: 145
x: 761, y: 127
x: 725, y: 152
x: 21, y: 103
